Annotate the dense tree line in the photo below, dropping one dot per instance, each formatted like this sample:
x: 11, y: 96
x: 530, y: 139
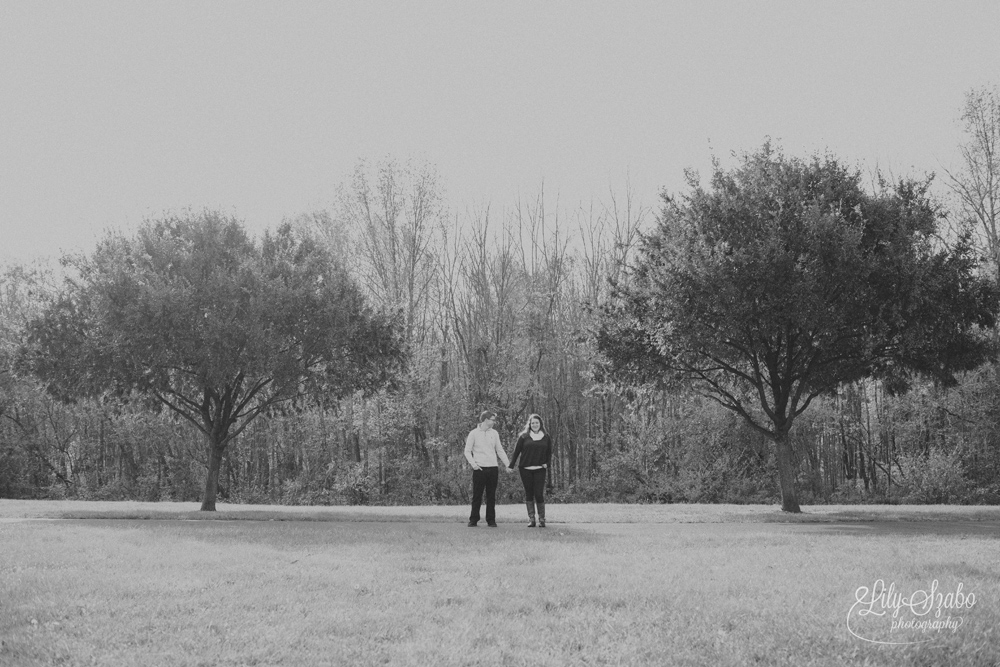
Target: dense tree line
x: 494, y: 307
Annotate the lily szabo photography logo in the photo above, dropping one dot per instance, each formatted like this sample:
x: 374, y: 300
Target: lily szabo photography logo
x: 890, y: 615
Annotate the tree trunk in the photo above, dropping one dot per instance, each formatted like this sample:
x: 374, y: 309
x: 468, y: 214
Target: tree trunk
x: 786, y: 473
x: 215, y: 452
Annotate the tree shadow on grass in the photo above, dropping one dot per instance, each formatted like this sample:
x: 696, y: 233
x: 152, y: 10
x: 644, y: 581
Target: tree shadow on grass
x: 295, y: 534
x: 938, y: 528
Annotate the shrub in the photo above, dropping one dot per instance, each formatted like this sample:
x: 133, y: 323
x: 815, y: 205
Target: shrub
x: 933, y: 478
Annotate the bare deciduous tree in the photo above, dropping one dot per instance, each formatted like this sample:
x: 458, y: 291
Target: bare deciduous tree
x: 395, y: 214
x: 608, y: 239
x: 977, y: 182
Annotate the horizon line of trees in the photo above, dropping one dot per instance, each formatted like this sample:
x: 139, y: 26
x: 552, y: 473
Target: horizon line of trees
x: 498, y: 309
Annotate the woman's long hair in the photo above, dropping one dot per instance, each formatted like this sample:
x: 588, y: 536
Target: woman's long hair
x: 527, y: 426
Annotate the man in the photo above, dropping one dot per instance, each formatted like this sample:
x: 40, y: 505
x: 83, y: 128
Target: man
x: 482, y: 448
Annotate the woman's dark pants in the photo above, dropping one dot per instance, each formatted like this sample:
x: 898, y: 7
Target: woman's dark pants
x: 534, y: 485
x: 534, y: 492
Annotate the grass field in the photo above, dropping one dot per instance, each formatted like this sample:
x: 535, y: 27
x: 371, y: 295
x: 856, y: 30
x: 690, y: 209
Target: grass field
x: 162, y: 584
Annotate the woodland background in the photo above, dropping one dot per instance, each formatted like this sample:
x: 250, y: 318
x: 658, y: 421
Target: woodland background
x: 499, y: 306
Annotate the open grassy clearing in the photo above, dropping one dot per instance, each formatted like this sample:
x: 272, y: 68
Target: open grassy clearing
x: 605, y: 585
x: 580, y: 513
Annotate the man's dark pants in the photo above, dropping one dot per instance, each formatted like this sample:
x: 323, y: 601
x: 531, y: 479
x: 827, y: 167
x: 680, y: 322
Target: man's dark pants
x: 484, y: 479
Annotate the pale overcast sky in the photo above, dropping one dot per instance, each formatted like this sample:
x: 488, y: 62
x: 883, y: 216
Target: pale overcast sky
x: 115, y: 111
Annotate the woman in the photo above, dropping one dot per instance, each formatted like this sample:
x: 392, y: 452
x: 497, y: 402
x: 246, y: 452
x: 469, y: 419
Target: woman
x: 534, y: 449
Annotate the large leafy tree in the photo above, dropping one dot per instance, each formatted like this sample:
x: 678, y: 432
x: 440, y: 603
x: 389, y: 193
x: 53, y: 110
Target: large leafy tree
x: 214, y: 325
x: 785, y: 278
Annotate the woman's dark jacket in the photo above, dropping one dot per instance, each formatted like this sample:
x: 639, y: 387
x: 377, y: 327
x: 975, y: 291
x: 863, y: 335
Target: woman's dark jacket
x: 531, y: 452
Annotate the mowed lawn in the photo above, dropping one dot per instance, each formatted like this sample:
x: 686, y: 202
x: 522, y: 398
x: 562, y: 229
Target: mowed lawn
x: 161, y: 584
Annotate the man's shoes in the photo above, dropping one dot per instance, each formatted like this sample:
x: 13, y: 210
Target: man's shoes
x: 492, y: 525
x: 472, y: 524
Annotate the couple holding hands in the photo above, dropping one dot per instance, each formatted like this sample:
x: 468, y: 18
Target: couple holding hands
x: 483, y: 449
